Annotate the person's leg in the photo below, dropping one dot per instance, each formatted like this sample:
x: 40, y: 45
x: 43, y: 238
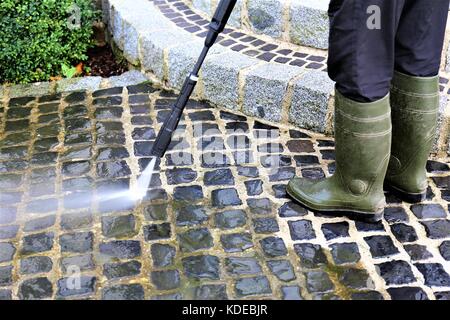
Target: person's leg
x: 361, y: 61
x: 361, y: 46
x: 415, y: 95
x: 420, y: 37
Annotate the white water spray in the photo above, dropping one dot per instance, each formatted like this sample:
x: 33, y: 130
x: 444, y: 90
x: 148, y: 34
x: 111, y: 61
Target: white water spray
x: 135, y: 193
x: 139, y: 191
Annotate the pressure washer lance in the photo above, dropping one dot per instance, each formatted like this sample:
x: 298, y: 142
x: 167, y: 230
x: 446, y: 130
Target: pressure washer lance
x: 216, y: 26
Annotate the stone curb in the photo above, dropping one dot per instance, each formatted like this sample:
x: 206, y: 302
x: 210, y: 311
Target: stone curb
x: 302, y: 22
x: 75, y: 84
x: 229, y: 79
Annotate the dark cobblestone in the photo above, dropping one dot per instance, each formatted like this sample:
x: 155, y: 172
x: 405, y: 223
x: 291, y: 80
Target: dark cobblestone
x: 367, y: 227
x: 118, y: 226
x: 291, y: 209
x: 395, y: 214
x: 260, y: 206
x: 6, y: 277
x: 291, y: 293
x: 335, y: 230
x: 434, y: 274
x: 249, y: 172
x: 369, y: 295
x: 381, y: 246
x: 230, y: 219
x: 157, y: 231
x: 356, y: 279
x: 77, y: 242
x: 274, y: 161
x: 437, y: 229
x: 121, y: 270
x: 404, y: 232
x: 75, y: 169
x: 265, y: 225
x: 242, y: 266
x: 112, y: 154
x: 76, y: 221
x: 273, y: 247
x: 282, y: 269
x: 211, y: 292
x: 85, y: 286
x: 188, y: 193
x: 442, y: 295
x: 163, y: 255
x: 123, y: 249
x: 83, y: 262
x: 35, y: 289
x: 444, y: 249
x: 417, y: 252
x: 301, y: 230
x: 166, y: 280
x: 344, y: 253
x: 407, y: 293
x: 236, y: 242
x: 282, y: 174
x: 318, y: 281
x: 437, y: 167
x: 124, y: 292
x: 191, y: 215
x: 279, y: 191
x: 396, y: 272
x: 37, y: 243
x: 427, y: 211
x: 156, y: 212
x: 202, y: 267
x: 252, y: 286
x: 225, y: 197
x: 180, y: 175
x: 33, y: 265
x: 254, y: 187
x: 40, y: 223
x: 113, y: 169
x: 311, y: 255
x: 194, y: 240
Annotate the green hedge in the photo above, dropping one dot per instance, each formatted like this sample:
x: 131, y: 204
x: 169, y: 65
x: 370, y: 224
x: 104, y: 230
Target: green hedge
x: 37, y: 37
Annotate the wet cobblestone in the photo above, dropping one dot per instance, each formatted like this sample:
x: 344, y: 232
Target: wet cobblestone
x: 210, y: 227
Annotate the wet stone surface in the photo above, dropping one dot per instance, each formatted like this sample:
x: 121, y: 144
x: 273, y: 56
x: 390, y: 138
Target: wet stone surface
x: 215, y: 222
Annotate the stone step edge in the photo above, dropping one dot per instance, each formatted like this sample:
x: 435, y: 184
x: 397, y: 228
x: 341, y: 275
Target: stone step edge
x: 129, y: 78
x: 303, y: 23
x: 230, y: 80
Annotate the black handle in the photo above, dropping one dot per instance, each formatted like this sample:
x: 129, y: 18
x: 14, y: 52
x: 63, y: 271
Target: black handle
x: 219, y: 20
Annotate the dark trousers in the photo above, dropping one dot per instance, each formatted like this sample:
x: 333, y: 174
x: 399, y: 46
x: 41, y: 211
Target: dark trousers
x: 369, y: 39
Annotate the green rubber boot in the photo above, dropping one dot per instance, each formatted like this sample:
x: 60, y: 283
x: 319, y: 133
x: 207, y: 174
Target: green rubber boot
x: 415, y: 105
x: 363, y: 142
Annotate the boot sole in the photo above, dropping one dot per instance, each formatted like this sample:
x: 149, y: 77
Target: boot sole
x: 371, y: 217
x: 406, y: 196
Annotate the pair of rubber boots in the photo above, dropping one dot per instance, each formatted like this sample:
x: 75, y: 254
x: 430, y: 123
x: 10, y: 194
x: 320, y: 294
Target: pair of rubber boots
x: 379, y: 144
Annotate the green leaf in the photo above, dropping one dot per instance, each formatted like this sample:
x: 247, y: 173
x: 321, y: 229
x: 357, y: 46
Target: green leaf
x: 68, y: 72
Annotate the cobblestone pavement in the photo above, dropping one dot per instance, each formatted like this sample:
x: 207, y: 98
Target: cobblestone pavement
x: 217, y: 225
